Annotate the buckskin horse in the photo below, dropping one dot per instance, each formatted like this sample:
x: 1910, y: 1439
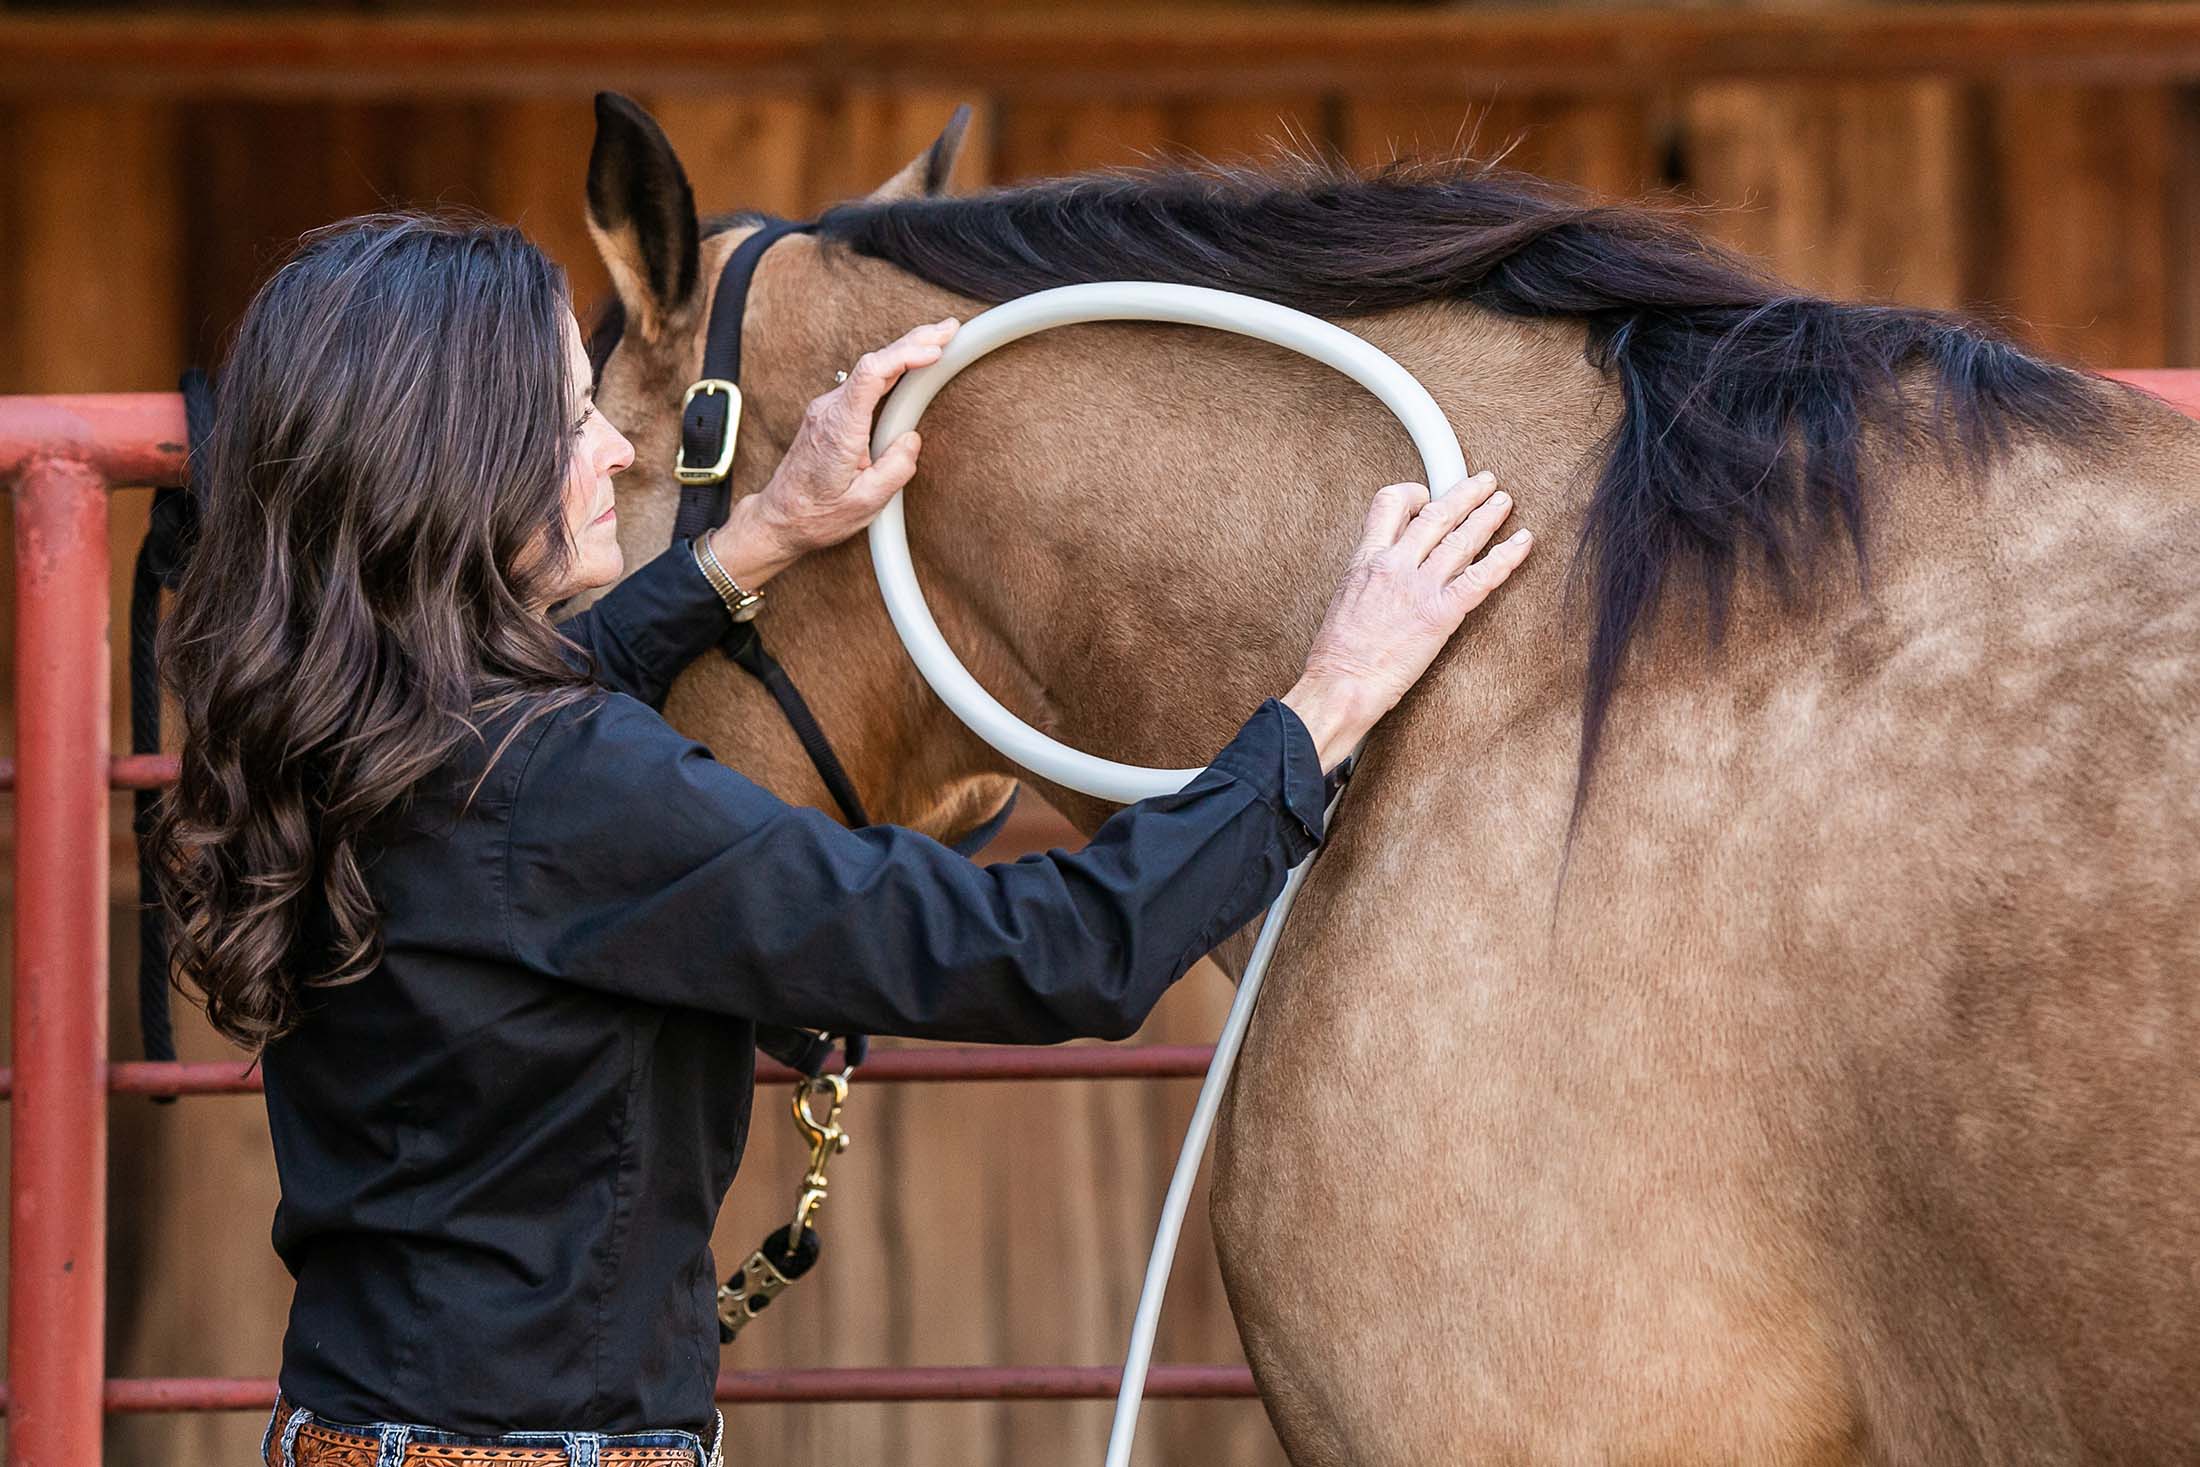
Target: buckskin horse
x: 1746, y: 1011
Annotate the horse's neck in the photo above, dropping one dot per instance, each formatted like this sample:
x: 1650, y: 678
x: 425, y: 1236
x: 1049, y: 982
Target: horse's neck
x: 1140, y: 526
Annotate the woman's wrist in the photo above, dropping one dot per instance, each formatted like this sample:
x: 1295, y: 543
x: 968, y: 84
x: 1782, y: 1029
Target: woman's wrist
x: 750, y: 546
x: 1336, y: 714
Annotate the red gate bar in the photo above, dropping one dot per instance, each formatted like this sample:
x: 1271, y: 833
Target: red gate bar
x: 125, y: 771
x: 57, y: 1246
x: 60, y: 454
x: 123, y: 437
x: 908, y: 1066
x: 812, y: 1384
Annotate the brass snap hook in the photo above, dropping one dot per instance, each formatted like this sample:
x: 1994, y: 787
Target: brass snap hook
x: 827, y: 1140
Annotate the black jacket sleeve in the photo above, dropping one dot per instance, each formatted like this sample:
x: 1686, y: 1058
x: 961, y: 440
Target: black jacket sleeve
x: 646, y: 629
x: 638, y: 864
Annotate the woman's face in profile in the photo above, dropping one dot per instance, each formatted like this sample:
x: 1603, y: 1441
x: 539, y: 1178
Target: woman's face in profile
x: 599, y: 451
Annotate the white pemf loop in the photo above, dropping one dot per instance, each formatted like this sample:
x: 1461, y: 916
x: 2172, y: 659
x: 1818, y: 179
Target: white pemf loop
x: 1110, y: 300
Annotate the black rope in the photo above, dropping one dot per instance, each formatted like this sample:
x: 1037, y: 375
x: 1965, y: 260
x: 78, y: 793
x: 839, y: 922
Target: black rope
x: 155, y: 1031
x: 160, y: 559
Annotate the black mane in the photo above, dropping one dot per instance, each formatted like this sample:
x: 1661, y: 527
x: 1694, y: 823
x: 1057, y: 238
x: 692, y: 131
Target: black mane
x: 1746, y: 403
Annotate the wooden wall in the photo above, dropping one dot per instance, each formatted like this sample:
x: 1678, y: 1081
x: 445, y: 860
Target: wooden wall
x: 151, y: 170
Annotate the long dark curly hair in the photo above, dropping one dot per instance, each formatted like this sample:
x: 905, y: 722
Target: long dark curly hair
x: 389, y: 440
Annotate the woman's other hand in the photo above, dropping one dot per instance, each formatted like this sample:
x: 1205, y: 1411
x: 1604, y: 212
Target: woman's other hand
x: 1410, y: 584
x: 827, y: 487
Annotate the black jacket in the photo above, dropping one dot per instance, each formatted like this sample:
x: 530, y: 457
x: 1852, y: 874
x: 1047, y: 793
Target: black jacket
x: 502, y: 1152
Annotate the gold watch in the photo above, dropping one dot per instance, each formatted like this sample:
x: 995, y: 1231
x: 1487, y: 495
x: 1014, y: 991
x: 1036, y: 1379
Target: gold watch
x: 740, y: 605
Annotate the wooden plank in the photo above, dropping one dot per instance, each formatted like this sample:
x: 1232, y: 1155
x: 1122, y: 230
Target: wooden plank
x: 92, y: 250
x: 2181, y: 211
x: 257, y: 178
x: 1042, y: 139
x: 869, y: 132
x: 1852, y: 189
x: 793, y: 153
x: 747, y: 152
x: 2076, y: 241
x: 1603, y: 143
x: 1239, y: 49
x: 1251, y: 128
x: 422, y: 154
x: 536, y: 157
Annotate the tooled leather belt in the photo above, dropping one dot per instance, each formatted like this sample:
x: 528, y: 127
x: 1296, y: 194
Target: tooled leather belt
x: 316, y: 1443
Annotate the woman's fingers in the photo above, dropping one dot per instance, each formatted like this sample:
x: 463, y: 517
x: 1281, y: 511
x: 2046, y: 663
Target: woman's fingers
x: 1442, y: 515
x: 884, y: 479
x: 1467, y: 590
x: 1466, y: 539
x: 1406, y: 592
x: 876, y: 371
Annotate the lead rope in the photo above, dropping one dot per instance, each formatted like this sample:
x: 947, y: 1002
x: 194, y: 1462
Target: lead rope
x: 160, y: 557
x: 787, y: 1254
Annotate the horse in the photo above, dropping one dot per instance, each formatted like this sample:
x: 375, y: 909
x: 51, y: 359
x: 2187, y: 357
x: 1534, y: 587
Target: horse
x: 1744, y: 1009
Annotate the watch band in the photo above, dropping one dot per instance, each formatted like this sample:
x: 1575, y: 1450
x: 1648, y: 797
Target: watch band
x: 740, y: 605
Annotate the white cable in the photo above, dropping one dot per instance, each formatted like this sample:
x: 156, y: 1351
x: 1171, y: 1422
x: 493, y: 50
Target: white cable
x: 1123, y: 1431
x: 1131, y: 300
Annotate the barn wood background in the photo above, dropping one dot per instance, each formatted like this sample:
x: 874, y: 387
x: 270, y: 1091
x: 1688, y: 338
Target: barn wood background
x: 2033, y: 162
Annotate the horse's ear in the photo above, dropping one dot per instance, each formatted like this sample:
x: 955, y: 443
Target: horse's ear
x: 926, y: 174
x: 641, y: 214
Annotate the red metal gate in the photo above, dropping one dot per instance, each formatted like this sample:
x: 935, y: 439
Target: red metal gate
x: 61, y: 455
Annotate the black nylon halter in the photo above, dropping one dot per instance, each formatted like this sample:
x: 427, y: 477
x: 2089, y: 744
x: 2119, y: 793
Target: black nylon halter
x: 706, y: 421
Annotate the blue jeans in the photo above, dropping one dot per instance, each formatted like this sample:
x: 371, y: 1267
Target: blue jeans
x: 581, y: 1447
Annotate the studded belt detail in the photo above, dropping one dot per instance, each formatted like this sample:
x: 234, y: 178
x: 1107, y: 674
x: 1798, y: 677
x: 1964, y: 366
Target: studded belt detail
x: 308, y: 1442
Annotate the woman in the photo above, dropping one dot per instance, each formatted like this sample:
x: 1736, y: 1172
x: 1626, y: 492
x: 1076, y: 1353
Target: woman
x: 503, y: 939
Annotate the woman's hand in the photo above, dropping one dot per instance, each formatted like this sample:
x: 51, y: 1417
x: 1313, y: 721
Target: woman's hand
x: 827, y: 487
x: 1411, y: 582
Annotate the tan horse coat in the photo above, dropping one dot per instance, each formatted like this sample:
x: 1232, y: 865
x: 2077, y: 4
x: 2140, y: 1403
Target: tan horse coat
x: 1840, y: 1106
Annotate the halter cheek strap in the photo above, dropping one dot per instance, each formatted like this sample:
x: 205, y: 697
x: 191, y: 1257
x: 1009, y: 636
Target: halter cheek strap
x: 710, y: 417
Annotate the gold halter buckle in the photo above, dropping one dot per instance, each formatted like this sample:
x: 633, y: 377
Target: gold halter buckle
x: 716, y: 471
